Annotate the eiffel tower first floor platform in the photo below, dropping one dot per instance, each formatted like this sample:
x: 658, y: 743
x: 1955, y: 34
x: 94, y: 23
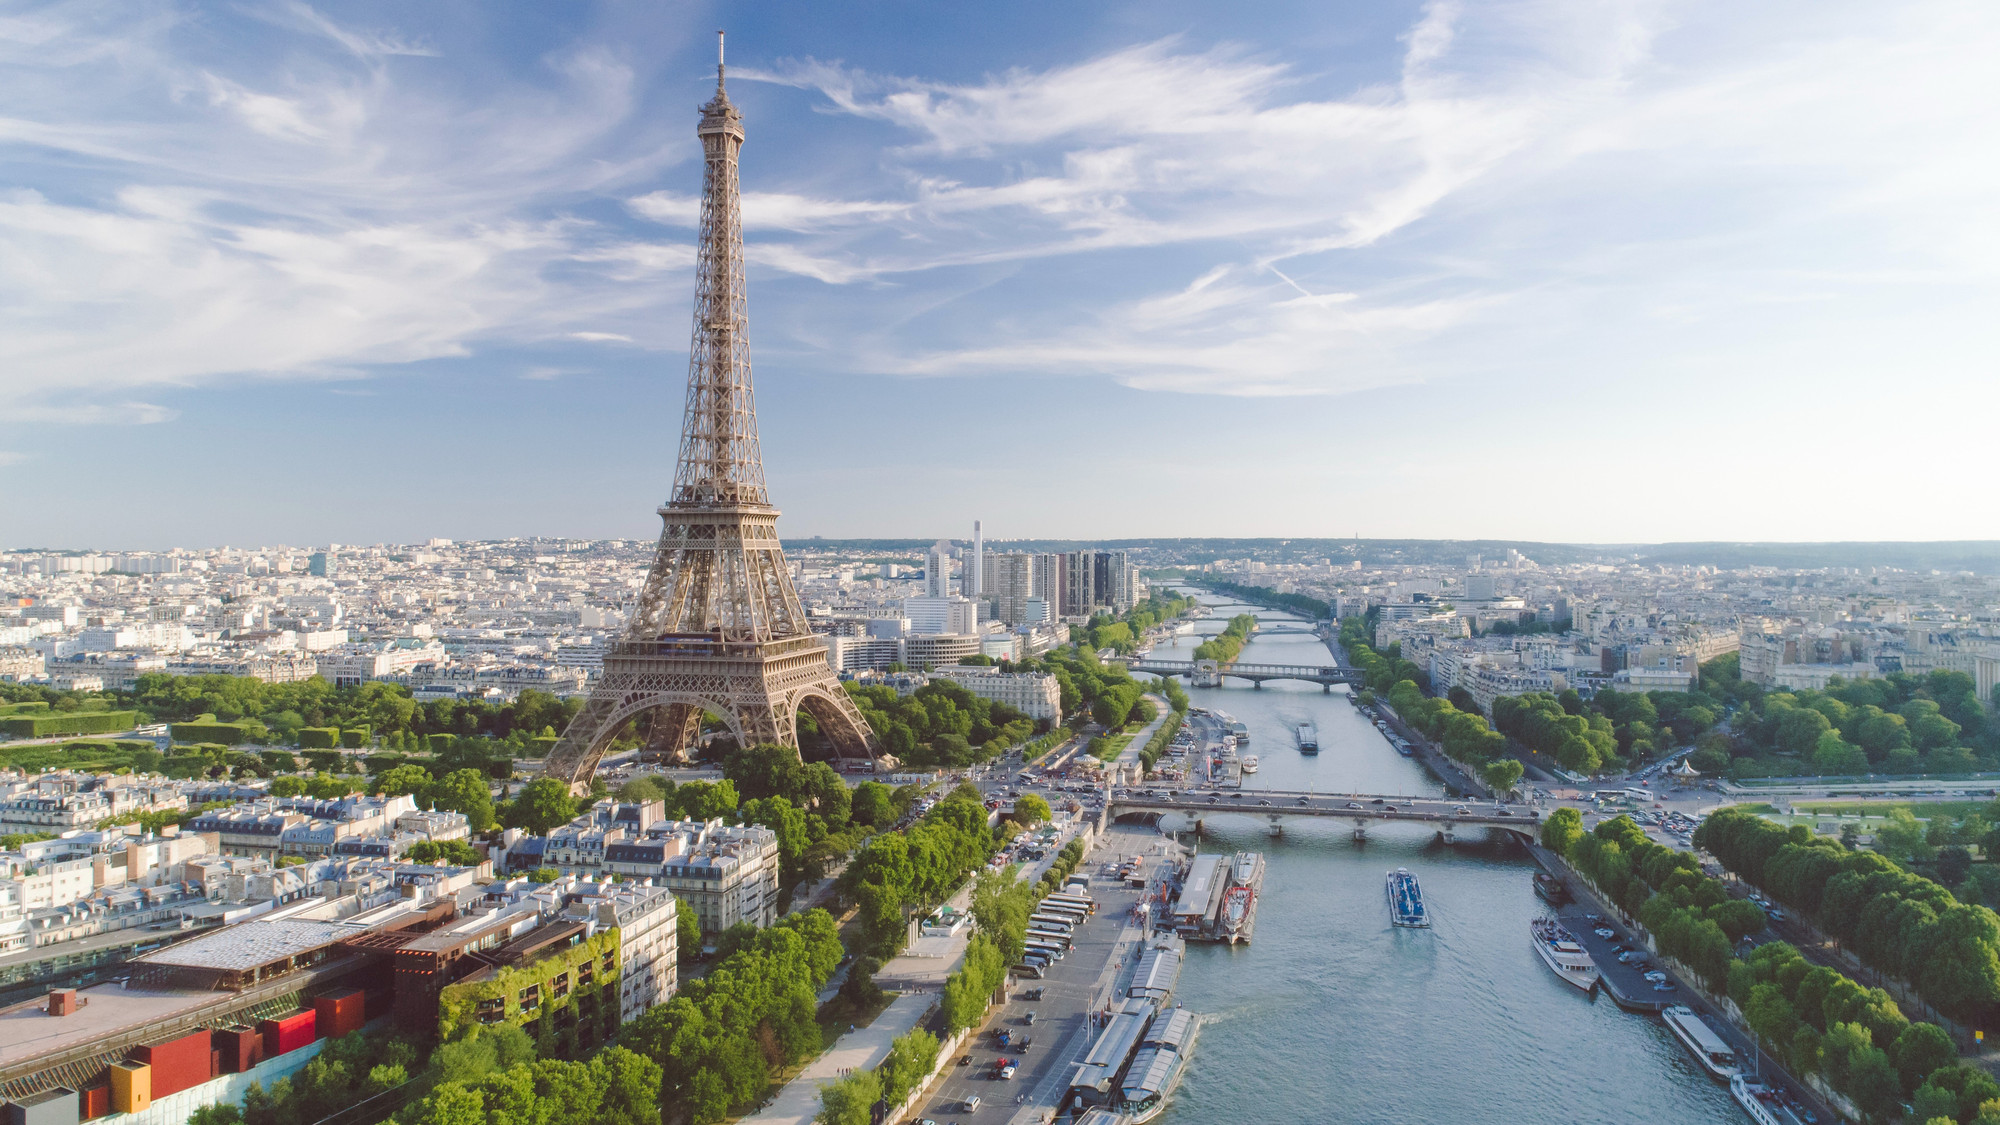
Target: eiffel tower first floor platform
x: 756, y: 688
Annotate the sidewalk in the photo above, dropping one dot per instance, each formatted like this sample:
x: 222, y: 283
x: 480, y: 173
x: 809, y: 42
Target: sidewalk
x: 798, y: 1102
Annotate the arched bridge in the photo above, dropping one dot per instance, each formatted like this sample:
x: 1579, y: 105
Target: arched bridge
x: 1443, y: 814
x: 1210, y: 673
x: 1285, y: 631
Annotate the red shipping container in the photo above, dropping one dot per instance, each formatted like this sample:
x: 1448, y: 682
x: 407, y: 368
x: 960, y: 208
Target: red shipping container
x: 178, y: 1064
x: 341, y: 1012
x: 96, y: 1101
x: 241, y: 1048
x: 288, y: 1033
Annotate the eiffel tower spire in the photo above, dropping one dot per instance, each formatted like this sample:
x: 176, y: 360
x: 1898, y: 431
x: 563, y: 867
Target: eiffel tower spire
x: 720, y: 461
x: 718, y: 627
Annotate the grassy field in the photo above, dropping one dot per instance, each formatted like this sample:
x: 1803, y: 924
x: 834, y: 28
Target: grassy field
x: 1922, y: 810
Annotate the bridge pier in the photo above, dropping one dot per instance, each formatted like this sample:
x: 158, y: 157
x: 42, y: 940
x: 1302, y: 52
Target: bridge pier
x: 1360, y: 831
x: 1277, y: 822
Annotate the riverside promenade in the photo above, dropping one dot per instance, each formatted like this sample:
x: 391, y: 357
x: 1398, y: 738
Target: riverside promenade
x: 918, y: 973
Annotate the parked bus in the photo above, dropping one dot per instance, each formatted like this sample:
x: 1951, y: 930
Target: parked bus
x: 1029, y: 969
x: 1048, y: 949
x: 1063, y: 910
x: 1075, y: 902
x: 1062, y: 940
x: 1052, y: 922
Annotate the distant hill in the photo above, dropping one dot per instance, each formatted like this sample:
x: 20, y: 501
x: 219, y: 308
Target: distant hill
x: 1978, y: 556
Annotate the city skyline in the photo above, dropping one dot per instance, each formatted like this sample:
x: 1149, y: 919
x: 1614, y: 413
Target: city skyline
x: 357, y: 274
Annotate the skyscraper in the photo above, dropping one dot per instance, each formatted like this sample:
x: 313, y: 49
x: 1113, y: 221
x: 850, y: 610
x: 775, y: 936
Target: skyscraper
x: 937, y: 570
x: 974, y: 578
x: 1008, y: 583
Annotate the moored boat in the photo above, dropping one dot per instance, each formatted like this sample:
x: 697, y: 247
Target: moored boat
x: 1563, y: 954
x: 1753, y: 1096
x: 1714, y: 1054
x: 1308, y: 736
x: 1406, y: 900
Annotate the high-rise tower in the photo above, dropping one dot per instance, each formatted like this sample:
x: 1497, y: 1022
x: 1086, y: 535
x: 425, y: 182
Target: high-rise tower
x: 718, y: 626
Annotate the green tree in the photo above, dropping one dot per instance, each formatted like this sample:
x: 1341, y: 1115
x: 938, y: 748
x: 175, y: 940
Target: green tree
x: 466, y: 791
x: 1904, y: 838
x: 848, y: 1100
x: 631, y: 1084
x: 764, y: 770
x: 688, y: 931
x: 1029, y: 808
x: 452, y: 1104
x: 874, y: 805
x: 1503, y: 774
x: 647, y: 788
x: 403, y: 780
x: 456, y: 853
x: 1919, y: 1050
x: 1835, y: 755
x: 1561, y: 831
x: 701, y: 800
x: 542, y: 805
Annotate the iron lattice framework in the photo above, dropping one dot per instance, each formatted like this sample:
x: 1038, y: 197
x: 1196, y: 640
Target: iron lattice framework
x: 718, y: 626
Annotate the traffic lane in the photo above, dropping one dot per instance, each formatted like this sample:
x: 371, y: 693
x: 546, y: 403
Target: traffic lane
x: 1058, y: 1033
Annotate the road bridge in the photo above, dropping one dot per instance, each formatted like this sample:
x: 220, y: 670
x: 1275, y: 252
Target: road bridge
x: 1211, y: 673
x: 1444, y: 814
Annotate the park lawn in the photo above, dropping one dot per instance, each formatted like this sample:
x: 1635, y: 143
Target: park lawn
x: 1922, y: 810
x: 1115, y: 744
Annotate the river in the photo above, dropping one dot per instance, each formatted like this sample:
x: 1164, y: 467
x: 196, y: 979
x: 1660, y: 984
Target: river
x: 1334, y: 1015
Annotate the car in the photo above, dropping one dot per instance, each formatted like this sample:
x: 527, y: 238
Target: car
x: 1376, y: 801
x: 1461, y: 810
x: 1031, y: 1019
x: 1263, y: 802
x: 1502, y: 812
x: 1350, y: 804
x: 1664, y: 986
x: 1007, y: 1074
x: 1388, y: 808
x: 965, y: 1060
x: 1213, y: 800
x: 1605, y: 932
x: 1236, y: 796
x: 972, y: 1104
x: 1656, y: 976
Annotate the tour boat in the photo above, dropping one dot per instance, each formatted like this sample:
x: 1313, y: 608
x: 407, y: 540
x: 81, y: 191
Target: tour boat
x: 1563, y: 954
x: 1250, y: 764
x: 1750, y: 1095
x: 1715, y: 1055
x: 1406, y: 900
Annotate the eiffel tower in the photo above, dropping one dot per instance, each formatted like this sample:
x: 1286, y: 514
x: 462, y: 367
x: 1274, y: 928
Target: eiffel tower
x: 718, y: 627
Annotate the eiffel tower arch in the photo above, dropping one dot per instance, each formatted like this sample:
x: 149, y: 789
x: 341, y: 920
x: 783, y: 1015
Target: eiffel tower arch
x: 718, y: 626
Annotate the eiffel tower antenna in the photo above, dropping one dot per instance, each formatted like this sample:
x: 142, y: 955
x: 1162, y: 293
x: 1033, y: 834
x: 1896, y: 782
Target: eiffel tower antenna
x: 718, y: 627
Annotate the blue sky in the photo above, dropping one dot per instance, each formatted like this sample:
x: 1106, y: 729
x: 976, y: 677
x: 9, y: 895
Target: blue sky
x: 1608, y: 272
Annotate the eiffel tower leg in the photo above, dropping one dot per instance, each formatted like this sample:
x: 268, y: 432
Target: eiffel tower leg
x: 672, y: 731
x: 840, y: 720
x: 575, y: 756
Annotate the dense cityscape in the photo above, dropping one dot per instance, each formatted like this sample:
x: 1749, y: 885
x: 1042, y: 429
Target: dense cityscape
x: 739, y: 824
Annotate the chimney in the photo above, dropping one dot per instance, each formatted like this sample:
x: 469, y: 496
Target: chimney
x: 64, y: 1002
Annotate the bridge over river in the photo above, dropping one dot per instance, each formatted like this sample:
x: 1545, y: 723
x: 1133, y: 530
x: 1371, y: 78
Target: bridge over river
x: 1210, y: 673
x: 1364, y: 809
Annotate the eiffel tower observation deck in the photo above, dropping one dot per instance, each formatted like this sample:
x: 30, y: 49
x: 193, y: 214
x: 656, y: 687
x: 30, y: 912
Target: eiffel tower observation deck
x: 718, y: 627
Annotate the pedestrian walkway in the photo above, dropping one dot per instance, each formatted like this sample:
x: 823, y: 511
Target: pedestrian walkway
x: 798, y: 1102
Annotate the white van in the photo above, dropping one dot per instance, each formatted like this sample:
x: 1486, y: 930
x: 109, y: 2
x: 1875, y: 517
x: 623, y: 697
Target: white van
x: 972, y: 1103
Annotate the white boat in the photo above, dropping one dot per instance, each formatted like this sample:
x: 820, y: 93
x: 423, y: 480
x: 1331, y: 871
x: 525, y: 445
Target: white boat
x: 1406, y: 900
x: 1250, y: 764
x: 1750, y: 1095
x: 1714, y: 1054
x: 1563, y: 954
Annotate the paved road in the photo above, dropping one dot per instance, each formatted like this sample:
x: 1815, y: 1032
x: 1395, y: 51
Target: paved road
x: 1081, y: 983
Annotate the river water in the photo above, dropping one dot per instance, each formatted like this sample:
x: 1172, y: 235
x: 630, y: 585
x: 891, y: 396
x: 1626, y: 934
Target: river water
x: 1333, y: 1015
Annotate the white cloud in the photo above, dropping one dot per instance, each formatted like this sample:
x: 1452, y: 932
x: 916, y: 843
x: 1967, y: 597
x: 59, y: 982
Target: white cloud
x: 8, y: 457
x: 601, y: 337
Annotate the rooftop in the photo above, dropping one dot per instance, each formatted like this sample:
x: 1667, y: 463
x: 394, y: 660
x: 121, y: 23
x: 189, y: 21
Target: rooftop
x: 250, y: 944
